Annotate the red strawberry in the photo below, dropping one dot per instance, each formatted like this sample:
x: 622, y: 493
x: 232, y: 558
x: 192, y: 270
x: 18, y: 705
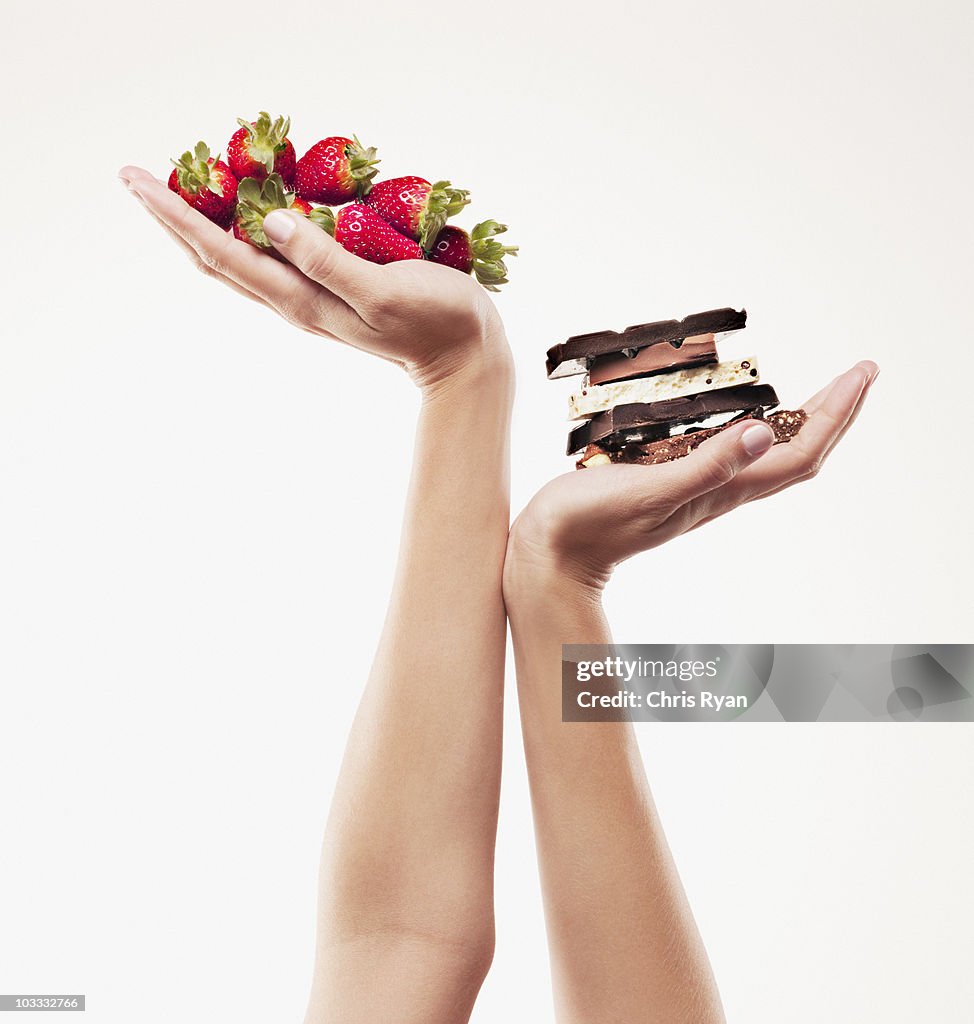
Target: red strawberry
x: 414, y: 207
x: 206, y: 183
x: 362, y: 231
x: 479, y: 252
x: 336, y: 170
x: 256, y: 199
x: 259, y: 147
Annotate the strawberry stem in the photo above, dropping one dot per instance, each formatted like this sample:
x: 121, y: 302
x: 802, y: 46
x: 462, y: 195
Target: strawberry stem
x: 362, y: 163
x: 193, y: 170
x: 266, y: 138
x: 324, y: 217
x: 488, y: 254
x: 256, y: 199
x: 442, y: 203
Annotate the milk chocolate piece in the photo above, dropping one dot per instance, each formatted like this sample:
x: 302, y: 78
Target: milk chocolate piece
x: 785, y: 425
x: 653, y: 359
x: 648, y: 421
x: 600, y: 397
x: 577, y: 353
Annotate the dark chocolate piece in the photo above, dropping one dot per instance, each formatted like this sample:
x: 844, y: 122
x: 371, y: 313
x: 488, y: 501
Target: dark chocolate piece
x: 653, y: 359
x: 576, y: 354
x: 652, y: 420
x: 785, y: 425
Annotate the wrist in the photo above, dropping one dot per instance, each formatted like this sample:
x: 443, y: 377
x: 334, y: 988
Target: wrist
x: 481, y: 358
x: 538, y: 575
x: 486, y: 370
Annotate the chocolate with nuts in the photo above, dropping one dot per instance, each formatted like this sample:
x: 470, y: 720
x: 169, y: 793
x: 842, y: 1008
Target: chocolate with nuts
x: 654, y: 392
x: 785, y: 425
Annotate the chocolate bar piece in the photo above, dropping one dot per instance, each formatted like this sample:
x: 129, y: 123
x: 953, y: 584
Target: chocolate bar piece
x: 642, y: 421
x: 600, y: 397
x: 577, y: 353
x: 785, y: 425
x: 642, y: 362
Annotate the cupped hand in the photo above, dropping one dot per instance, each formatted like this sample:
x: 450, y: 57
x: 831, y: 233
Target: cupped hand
x: 585, y: 523
x: 430, y: 319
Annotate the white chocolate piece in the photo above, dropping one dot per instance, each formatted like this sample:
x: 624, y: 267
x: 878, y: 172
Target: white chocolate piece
x: 599, y: 397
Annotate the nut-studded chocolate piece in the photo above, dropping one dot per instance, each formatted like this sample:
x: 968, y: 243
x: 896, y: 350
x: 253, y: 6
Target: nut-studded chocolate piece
x: 785, y: 425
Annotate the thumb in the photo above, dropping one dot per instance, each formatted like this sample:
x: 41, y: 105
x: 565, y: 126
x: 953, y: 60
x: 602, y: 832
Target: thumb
x: 318, y: 256
x: 715, y: 463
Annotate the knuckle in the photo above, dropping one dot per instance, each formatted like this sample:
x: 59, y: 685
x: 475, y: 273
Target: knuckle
x: 319, y: 262
x: 813, y: 467
x: 211, y: 264
x: 678, y: 520
x: 294, y: 313
x: 182, y: 220
x: 295, y: 306
x: 201, y: 265
x: 719, y: 470
x: 324, y: 312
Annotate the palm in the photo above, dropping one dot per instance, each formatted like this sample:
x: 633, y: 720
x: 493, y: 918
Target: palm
x: 414, y: 313
x: 616, y: 511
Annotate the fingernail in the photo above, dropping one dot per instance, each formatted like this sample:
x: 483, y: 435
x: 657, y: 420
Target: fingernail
x: 279, y: 226
x: 871, y: 368
x: 125, y: 181
x: 757, y: 439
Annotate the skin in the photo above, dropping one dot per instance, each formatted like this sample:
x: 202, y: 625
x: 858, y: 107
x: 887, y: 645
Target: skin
x: 405, y: 928
x: 621, y: 952
x: 406, y: 881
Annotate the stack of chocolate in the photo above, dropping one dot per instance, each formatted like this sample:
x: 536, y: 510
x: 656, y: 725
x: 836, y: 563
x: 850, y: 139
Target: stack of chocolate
x: 653, y: 392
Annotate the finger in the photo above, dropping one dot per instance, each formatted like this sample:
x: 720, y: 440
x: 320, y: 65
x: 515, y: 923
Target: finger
x: 130, y: 172
x: 873, y: 370
x: 831, y: 413
x: 193, y: 257
x: 219, y: 250
x: 292, y: 294
x: 317, y: 255
x: 711, y: 466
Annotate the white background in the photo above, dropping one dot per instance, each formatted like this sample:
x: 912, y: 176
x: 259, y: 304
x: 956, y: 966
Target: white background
x: 194, y: 558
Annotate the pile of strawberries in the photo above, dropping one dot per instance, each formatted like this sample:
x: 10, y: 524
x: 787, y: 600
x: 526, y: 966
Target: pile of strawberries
x: 381, y: 221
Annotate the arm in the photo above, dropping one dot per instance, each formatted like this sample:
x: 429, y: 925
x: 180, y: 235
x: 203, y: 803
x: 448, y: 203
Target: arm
x: 406, y: 885
x: 406, y: 905
x: 624, y: 945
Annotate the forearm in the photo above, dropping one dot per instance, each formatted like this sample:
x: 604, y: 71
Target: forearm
x: 623, y: 942
x: 409, y: 845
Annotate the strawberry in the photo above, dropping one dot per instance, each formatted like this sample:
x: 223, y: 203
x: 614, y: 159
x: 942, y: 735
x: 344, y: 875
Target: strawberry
x: 479, y: 252
x: 256, y: 199
x: 336, y: 170
x: 259, y: 147
x: 362, y: 231
x: 414, y: 207
x: 206, y: 183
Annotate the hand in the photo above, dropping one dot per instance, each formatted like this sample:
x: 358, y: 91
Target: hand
x: 585, y: 523
x: 432, y: 320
